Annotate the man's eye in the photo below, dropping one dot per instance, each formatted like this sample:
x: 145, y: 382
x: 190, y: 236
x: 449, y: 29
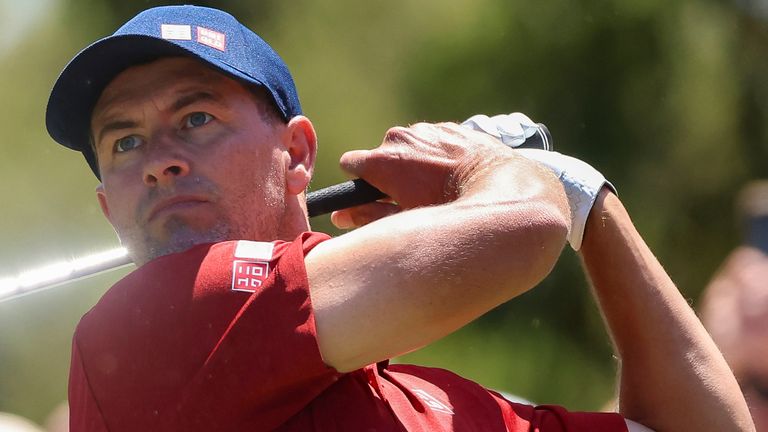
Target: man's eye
x: 197, y: 119
x: 127, y: 143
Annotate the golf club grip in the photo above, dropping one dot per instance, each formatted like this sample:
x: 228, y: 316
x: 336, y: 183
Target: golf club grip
x: 357, y: 192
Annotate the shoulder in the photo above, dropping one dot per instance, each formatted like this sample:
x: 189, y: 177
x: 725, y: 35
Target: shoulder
x: 214, y: 279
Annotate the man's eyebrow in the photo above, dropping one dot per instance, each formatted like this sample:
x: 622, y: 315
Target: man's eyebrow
x: 178, y: 104
x: 115, y: 125
x: 191, y: 98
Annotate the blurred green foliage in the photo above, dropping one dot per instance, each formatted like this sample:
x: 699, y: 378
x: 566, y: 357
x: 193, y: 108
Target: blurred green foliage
x: 668, y: 99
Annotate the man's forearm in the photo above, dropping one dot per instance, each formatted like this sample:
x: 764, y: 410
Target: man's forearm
x: 673, y: 377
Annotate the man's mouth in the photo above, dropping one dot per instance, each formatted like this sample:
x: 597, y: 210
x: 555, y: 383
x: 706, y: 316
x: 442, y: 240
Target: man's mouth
x: 176, y: 204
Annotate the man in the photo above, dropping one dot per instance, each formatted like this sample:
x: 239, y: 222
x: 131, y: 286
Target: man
x: 735, y: 306
x: 239, y: 318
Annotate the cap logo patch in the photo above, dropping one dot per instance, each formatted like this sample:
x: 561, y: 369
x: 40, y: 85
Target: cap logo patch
x: 212, y: 38
x: 176, y: 31
x: 252, y: 269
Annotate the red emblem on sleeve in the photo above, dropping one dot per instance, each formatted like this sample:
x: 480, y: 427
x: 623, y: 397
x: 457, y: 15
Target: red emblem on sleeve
x: 248, y: 275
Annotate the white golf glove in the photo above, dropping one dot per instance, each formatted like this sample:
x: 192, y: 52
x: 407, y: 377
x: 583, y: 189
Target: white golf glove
x: 511, y: 129
x: 581, y: 182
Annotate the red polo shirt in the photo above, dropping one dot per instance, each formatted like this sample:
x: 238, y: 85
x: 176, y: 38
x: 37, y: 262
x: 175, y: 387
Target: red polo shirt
x: 222, y: 338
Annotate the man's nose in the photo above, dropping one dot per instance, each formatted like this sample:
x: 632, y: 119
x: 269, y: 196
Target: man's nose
x: 165, y: 163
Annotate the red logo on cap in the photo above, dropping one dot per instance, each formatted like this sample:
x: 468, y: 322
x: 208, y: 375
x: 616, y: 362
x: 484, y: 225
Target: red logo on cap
x: 212, y: 38
x: 248, y: 275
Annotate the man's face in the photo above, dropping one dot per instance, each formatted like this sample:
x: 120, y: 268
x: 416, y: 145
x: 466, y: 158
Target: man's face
x: 186, y: 156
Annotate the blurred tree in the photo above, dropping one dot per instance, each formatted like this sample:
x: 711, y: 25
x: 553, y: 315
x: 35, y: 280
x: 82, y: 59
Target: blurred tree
x: 116, y: 12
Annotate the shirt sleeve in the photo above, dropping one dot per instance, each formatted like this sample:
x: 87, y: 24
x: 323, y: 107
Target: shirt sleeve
x: 427, y: 399
x: 220, y: 337
x: 267, y: 365
x: 84, y: 412
x: 554, y: 418
x: 557, y: 418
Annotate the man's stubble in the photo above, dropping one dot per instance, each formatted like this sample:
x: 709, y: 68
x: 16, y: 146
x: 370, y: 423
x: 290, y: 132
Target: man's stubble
x: 242, y: 217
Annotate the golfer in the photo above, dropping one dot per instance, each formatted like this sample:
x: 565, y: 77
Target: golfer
x: 240, y: 318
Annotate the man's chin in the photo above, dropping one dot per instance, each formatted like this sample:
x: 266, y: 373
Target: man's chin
x: 180, y: 239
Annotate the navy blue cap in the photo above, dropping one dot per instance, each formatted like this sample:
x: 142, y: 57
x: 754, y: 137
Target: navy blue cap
x: 210, y: 35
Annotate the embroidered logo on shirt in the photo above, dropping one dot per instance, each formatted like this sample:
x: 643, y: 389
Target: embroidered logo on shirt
x: 432, y: 402
x: 212, y: 38
x: 175, y: 32
x: 248, y: 276
x: 250, y: 272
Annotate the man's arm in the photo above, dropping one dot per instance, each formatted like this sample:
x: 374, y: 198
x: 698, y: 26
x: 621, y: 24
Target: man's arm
x: 485, y: 225
x: 673, y: 378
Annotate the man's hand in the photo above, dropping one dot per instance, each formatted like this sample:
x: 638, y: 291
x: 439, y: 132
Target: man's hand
x: 421, y: 165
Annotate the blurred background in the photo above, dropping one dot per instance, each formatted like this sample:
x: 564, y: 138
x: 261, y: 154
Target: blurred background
x: 668, y: 99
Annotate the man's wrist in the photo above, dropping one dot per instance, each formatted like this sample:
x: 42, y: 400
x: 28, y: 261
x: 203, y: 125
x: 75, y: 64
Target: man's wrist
x: 471, y: 175
x: 603, y: 212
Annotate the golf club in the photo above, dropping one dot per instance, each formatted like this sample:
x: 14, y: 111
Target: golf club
x: 515, y: 130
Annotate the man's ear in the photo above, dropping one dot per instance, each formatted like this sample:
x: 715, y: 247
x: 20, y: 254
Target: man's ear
x: 301, y: 145
x: 101, y: 196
